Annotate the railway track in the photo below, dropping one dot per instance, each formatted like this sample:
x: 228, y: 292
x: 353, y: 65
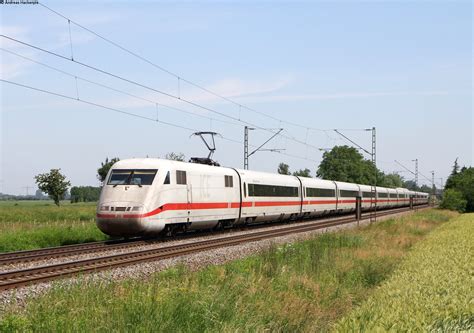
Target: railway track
x: 97, y: 247
x: 68, y: 250
x: 18, y: 278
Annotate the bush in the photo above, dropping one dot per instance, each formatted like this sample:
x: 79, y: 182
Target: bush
x: 454, y: 200
x: 85, y: 194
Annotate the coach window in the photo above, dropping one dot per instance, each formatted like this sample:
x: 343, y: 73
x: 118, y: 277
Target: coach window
x: 180, y: 177
x: 245, y: 190
x: 229, y: 181
x: 383, y: 195
x: 167, y: 178
x: 320, y: 192
x: 346, y: 193
x: 259, y: 190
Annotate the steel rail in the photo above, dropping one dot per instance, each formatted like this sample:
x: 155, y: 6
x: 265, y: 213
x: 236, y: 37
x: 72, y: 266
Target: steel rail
x: 67, y: 250
x: 11, y: 258
x: 18, y: 278
x: 16, y: 257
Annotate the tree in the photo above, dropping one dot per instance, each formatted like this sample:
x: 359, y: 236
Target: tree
x: 463, y: 182
x: 54, y: 184
x: 284, y: 169
x: 410, y: 185
x: 426, y: 189
x: 455, y: 167
x: 175, y: 156
x: 346, y: 164
x: 393, y: 180
x: 84, y: 194
x: 303, y: 173
x: 105, y: 167
x: 453, y: 200
x: 39, y: 195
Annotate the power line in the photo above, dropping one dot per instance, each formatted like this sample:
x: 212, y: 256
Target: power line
x: 175, y: 75
x: 133, y: 114
x: 414, y: 173
x: 152, y: 89
x: 95, y: 104
x: 116, y: 90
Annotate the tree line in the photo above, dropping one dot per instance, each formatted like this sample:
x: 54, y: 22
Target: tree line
x: 346, y: 164
x: 342, y: 163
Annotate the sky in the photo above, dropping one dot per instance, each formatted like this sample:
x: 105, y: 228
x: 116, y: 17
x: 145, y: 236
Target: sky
x: 404, y: 67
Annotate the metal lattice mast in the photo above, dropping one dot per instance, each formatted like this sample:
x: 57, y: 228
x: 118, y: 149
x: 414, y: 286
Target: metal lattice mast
x: 246, y: 148
x: 373, y: 201
x: 433, y: 189
x: 246, y: 145
x: 416, y: 172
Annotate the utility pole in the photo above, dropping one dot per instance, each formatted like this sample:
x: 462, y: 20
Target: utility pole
x: 246, y: 145
x: 416, y: 171
x: 433, y: 190
x: 373, y: 217
x: 372, y: 153
x: 27, y: 188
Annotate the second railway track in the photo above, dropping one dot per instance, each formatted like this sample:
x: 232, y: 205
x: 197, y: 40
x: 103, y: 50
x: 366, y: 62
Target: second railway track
x: 18, y: 278
x: 67, y: 250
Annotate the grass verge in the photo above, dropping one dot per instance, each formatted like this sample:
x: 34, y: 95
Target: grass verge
x: 305, y: 286
x: 432, y: 290
x: 28, y: 225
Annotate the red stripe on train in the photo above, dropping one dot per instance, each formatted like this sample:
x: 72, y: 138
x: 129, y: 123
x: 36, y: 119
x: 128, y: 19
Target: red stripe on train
x: 225, y: 205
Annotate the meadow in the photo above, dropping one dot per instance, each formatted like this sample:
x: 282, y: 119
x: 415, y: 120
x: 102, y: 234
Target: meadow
x: 306, y: 286
x: 28, y: 225
x: 432, y: 290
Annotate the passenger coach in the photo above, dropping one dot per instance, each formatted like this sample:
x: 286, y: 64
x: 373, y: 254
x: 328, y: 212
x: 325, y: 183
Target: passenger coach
x: 149, y: 196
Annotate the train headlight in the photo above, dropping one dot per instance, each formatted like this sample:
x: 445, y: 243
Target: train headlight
x: 104, y: 208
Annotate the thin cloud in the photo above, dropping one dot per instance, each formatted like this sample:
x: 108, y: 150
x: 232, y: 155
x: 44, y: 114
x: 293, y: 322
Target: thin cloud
x: 237, y: 87
x: 229, y: 88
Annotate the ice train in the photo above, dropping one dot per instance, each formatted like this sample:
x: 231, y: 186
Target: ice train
x: 152, y: 196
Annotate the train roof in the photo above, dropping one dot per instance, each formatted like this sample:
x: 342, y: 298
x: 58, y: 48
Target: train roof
x: 157, y: 163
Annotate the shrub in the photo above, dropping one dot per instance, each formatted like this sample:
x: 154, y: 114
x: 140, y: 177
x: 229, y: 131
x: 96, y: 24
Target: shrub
x: 454, y: 200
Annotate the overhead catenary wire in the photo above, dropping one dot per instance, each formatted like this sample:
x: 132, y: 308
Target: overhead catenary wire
x: 153, y: 89
x: 94, y: 104
x: 410, y: 171
x: 114, y: 89
x: 138, y: 97
x: 177, y: 76
x: 131, y: 114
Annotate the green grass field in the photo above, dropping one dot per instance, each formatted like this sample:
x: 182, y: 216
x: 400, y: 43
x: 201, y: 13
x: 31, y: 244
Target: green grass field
x: 302, y: 287
x: 34, y: 224
x: 433, y: 290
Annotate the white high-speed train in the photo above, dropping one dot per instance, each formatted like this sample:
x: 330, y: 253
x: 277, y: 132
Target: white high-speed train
x: 149, y: 196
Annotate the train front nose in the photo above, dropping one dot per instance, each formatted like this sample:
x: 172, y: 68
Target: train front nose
x: 121, y: 219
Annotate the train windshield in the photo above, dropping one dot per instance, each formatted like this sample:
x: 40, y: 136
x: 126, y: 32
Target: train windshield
x: 132, y: 177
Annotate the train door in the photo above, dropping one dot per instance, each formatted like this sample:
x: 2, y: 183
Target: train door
x: 189, y: 195
x: 358, y: 207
